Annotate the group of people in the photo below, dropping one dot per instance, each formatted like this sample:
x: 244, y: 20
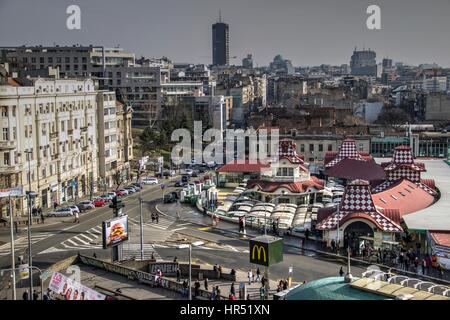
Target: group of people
x: 251, y: 276
x: 37, y: 212
x: 283, y: 284
x: 26, y: 295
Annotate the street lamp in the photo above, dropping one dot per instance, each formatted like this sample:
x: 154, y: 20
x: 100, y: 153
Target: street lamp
x: 189, y: 245
x: 30, y: 196
x: 13, y: 270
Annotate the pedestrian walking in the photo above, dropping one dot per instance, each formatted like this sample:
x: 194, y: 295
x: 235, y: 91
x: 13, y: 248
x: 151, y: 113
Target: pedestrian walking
x: 77, y: 217
x: 157, y: 217
x: 25, y: 295
x: 250, y: 276
x: 206, y: 284
x: 424, y: 265
x: 218, y: 293
x: 153, y: 217
x: 341, y: 272
x: 258, y: 274
x: 213, y: 293
x: 262, y: 292
x: 42, y: 217
x: 232, y: 289
x: 153, y: 256
x: 35, y: 295
x: 196, y: 288
x: 178, y: 274
x: 232, y: 297
x: 55, y: 205
x: 306, y: 236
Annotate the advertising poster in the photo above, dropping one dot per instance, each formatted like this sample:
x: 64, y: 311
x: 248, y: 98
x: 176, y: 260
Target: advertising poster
x: 115, y: 231
x: 72, y: 290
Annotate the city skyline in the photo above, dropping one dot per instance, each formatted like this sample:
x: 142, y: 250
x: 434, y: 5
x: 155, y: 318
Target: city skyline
x: 261, y: 28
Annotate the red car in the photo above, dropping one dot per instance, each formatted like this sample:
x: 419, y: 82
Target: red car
x: 99, y: 202
x: 120, y: 193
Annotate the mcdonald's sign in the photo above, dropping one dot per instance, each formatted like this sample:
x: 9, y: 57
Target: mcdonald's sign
x: 266, y: 250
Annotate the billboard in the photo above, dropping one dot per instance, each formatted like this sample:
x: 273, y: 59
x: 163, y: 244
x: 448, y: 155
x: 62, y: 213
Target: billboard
x: 12, y: 192
x: 71, y: 289
x: 114, y: 231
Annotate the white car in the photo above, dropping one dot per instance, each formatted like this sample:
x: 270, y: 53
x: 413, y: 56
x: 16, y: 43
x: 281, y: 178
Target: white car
x: 189, y: 172
x: 111, y: 195
x: 62, y: 212
x: 74, y: 209
x: 150, y: 180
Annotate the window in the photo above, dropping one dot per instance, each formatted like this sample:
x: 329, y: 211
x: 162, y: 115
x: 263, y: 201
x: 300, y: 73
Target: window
x: 75, y: 123
x: 4, y: 111
x: 25, y: 60
x: 67, y: 60
x: 14, y: 133
x: 320, y: 147
x: 62, y: 126
x: 330, y: 147
x: 33, y: 60
x: 50, y: 60
x: 291, y: 172
x: 361, y: 147
x: 5, y: 134
x: 41, y: 60
x: 6, y: 158
x: 302, y: 148
x: 58, y: 59
x: 44, y: 129
x: 14, y: 111
x: 311, y: 147
x: 75, y: 60
x: 83, y: 59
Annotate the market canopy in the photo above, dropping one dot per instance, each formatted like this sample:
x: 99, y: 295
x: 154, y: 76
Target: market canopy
x: 352, y: 169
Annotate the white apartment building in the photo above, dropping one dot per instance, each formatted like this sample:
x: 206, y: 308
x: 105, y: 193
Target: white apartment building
x: 50, y: 131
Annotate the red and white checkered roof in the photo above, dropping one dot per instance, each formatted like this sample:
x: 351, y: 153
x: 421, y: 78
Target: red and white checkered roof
x: 347, y: 150
x: 358, y: 199
x: 403, y: 158
x: 287, y: 150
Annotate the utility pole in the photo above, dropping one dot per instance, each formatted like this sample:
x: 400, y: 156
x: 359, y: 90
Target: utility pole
x: 141, y: 224
x: 30, y: 257
x: 13, y: 259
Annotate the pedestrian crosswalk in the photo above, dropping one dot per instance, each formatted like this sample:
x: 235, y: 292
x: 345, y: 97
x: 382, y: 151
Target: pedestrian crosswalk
x: 21, y: 243
x: 89, y: 239
x: 133, y: 251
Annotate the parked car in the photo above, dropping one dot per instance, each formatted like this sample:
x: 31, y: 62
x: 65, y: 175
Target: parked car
x: 185, y: 178
x: 61, y: 212
x: 74, y: 209
x: 180, y: 183
x: 121, y: 192
x: 137, y: 186
x: 112, y: 194
x: 150, y: 180
x: 189, y: 171
x: 106, y: 197
x: 99, y: 202
x: 85, y: 205
x: 130, y: 189
x: 168, y: 173
x: 158, y: 175
x: 170, y: 197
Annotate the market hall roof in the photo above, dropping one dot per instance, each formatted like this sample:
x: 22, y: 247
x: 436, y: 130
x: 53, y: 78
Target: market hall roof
x: 357, y: 203
x: 237, y: 166
x: 404, y: 195
x: 347, y: 150
x: 352, y: 169
x: 402, y: 166
x: 293, y: 187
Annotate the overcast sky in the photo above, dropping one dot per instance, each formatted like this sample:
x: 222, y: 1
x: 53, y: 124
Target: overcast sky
x: 309, y: 32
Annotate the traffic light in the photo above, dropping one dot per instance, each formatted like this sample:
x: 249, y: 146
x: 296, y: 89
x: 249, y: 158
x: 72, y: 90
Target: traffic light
x: 116, y: 204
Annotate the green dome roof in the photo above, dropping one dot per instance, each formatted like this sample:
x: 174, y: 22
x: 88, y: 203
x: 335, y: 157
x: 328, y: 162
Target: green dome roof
x: 333, y: 288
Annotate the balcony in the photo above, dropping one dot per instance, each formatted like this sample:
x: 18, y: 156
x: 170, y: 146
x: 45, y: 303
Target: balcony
x: 55, y: 156
x: 85, y: 148
x: 70, y: 131
x: 54, y: 135
x: 9, y: 169
x: 84, y: 129
x: 8, y: 144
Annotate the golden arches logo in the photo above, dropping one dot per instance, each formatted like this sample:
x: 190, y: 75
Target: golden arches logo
x: 259, y: 249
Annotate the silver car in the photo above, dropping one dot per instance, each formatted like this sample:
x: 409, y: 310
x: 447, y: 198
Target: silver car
x: 62, y: 212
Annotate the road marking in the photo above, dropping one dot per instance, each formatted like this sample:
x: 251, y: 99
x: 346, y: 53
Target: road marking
x: 178, y: 229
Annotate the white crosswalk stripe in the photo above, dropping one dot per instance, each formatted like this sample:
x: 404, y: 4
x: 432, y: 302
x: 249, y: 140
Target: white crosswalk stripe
x: 90, y: 239
x: 133, y: 250
x: 21, y: 243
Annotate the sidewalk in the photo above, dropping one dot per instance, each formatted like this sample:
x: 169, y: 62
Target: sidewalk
x: 225, y: 286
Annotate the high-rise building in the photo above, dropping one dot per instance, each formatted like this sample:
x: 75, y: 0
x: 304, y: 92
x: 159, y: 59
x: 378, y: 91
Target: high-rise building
x: 363, y: 63
x: 220, y: 43
x: 247, y: 62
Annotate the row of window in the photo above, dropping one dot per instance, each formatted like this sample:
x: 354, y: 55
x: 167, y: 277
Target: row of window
x: 56, y: 59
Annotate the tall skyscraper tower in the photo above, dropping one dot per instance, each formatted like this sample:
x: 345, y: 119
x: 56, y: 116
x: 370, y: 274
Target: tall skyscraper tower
x: 220, y: 43
x: 363, y: 63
